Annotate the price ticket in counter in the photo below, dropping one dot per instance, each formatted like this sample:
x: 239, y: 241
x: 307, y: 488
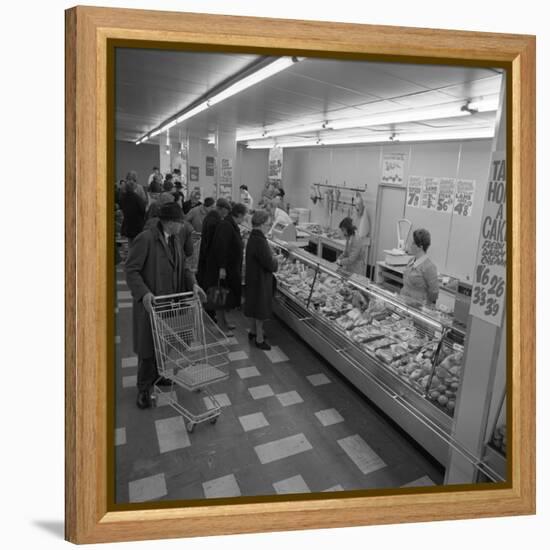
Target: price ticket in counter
x: 284, y: 232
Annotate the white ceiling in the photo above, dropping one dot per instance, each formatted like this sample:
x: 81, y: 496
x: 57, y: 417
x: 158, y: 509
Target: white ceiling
x: 154, y: 85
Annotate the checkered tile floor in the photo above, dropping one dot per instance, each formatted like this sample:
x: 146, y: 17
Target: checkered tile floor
x: 289, y: 424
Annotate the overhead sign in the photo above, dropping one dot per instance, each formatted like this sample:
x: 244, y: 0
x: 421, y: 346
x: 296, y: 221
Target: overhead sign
x: 393, y: 169
x: 489, y: 290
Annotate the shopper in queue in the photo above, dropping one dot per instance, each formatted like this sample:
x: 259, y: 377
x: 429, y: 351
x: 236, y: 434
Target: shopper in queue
x: 196, y: 215
x: 155, y: 267
x: 209, y: 225
x: 194, y: 200
x: 133, y: 210
x: 246, y: 197
x: 420, y: 281
x: 353, y: 259
x: 260, y: 264
x: 224, y: 264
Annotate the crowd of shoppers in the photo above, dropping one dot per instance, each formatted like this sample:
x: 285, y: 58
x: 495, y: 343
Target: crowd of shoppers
x: 160, y: 224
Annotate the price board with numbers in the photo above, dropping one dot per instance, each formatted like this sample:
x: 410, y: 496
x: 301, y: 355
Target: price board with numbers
x: 414, y: 191
x: 489, y: 290
x: 464, y: 197
x: 430, y: 191
x: 446, y: 194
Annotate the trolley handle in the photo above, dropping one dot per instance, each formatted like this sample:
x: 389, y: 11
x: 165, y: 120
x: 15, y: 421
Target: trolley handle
x: 171, y: 296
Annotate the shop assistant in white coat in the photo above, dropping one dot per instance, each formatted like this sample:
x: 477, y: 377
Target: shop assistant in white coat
x: 354, y: 257
x: 420, y: 283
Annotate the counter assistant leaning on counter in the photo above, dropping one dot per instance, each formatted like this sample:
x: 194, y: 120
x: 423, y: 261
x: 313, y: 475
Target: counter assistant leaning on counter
x: 420, y: 282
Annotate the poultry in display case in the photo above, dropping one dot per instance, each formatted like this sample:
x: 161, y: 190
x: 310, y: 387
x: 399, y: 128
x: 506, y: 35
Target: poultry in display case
x: 419, y: 348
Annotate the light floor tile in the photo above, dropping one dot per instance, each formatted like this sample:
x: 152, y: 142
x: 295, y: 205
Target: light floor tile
x: 289, y: 398
x: 248, y: 372
x: 125, y: 305
x: 148, y: 488
x: 333, y: 489
x: 129, y: 381
x: 318, y: 379
x: 282, y: 448
x: 221, y: 398
x: 294, y: 484
x: 253, y: 421
x: 328, y: 417
x: 424, y: 481
x: 120, y: 436
x: 129, y: 362
x: 237, y: 355
x: 124, y: 295
x: 232, y: 341
x: 117, y: 339
x: 361, y: 454
x: 172, y: 434
x: 259, y: 392
x: 225, y: 486
x: 275, y: 355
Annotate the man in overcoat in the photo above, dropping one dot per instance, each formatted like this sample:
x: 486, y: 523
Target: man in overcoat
x: 155, y: 267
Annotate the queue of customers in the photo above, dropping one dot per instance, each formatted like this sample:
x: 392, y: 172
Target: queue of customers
x: 160, y: 240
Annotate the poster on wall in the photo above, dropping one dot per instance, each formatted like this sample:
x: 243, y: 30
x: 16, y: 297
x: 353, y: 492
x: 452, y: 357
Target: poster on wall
x: 393, y: 169
x: 225, y: 184
x: 209, y: 168
x: 464, y: 197
x: 414, y: 191
x: 430, y: 191
x: 446, y: 194
x: 489, y: 290
x: 193, y: 173
x: 275, y: 166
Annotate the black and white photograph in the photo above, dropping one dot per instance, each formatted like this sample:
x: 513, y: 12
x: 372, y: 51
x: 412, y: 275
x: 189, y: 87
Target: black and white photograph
x: 310, y: 289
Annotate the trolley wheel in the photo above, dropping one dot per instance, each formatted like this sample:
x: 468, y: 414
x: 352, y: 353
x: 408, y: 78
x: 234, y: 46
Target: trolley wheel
x: 190, y: 427
x: 214, y: 420
x: 153, y: 401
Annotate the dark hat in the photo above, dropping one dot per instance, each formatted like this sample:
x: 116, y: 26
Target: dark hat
x: 171, y: 212
x: 223, y: 203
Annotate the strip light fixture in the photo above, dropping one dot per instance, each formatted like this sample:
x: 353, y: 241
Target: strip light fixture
x: 271, y: 69
x: 463, y: 133
x: 434, y: 112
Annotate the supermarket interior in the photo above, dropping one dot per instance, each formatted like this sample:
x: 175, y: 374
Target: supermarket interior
x: 383, y: 363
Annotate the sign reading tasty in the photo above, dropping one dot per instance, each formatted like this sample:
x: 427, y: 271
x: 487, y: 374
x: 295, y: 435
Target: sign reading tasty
x: 489, y: 291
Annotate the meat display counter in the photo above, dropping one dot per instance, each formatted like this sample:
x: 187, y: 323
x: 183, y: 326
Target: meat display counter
x: 406, y: 360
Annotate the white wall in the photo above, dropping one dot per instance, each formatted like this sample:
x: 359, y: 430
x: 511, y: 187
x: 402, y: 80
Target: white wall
x: 199, y: 149
x: 252, y: 170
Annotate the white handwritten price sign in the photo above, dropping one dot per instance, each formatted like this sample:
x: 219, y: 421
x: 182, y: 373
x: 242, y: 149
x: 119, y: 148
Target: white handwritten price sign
x: 429, y: 193
x: 464, y: 197
x: 489, y: 290
x: 446, y: 195
x: 414, y: 191
x: 393, y: 168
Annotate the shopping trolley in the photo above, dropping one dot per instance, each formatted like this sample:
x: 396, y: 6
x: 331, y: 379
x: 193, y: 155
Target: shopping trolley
x: 190, y: 350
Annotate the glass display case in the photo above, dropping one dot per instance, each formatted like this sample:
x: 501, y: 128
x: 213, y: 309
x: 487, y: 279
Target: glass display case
x: 406, y: 359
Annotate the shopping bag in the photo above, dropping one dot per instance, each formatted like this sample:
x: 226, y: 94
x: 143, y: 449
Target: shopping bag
x: 216, y: 297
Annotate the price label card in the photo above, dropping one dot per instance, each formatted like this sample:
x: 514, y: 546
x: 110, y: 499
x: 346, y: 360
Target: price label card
x: 489, y: 290
x: 445, y: 198
x: 464, y: 197
x: 430, y: 192
x: 414, y: 191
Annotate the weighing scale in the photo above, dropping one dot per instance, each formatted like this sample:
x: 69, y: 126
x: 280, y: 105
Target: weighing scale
x: 398, y: 256
x: 284, y: 232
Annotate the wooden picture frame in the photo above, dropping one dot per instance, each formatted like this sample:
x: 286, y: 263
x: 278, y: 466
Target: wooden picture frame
x: 89, y: 327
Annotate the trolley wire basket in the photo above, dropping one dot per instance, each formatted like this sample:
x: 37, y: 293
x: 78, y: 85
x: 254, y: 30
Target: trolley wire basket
x: 190, y: 351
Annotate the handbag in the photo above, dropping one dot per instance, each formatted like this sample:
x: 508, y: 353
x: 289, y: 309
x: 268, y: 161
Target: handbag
x: 216, y: 296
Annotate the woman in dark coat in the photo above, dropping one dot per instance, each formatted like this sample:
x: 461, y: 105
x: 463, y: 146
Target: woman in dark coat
x: 224, y: 263
x: 260, y: 266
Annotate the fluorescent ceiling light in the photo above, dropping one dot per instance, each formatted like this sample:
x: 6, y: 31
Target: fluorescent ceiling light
x: 156, y: 132
x: 269, y: 70
x: 144, y: 139
x: 168, y: 126
x: 466, y: 133
x: 194, y: 111
x: 291, y: 130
